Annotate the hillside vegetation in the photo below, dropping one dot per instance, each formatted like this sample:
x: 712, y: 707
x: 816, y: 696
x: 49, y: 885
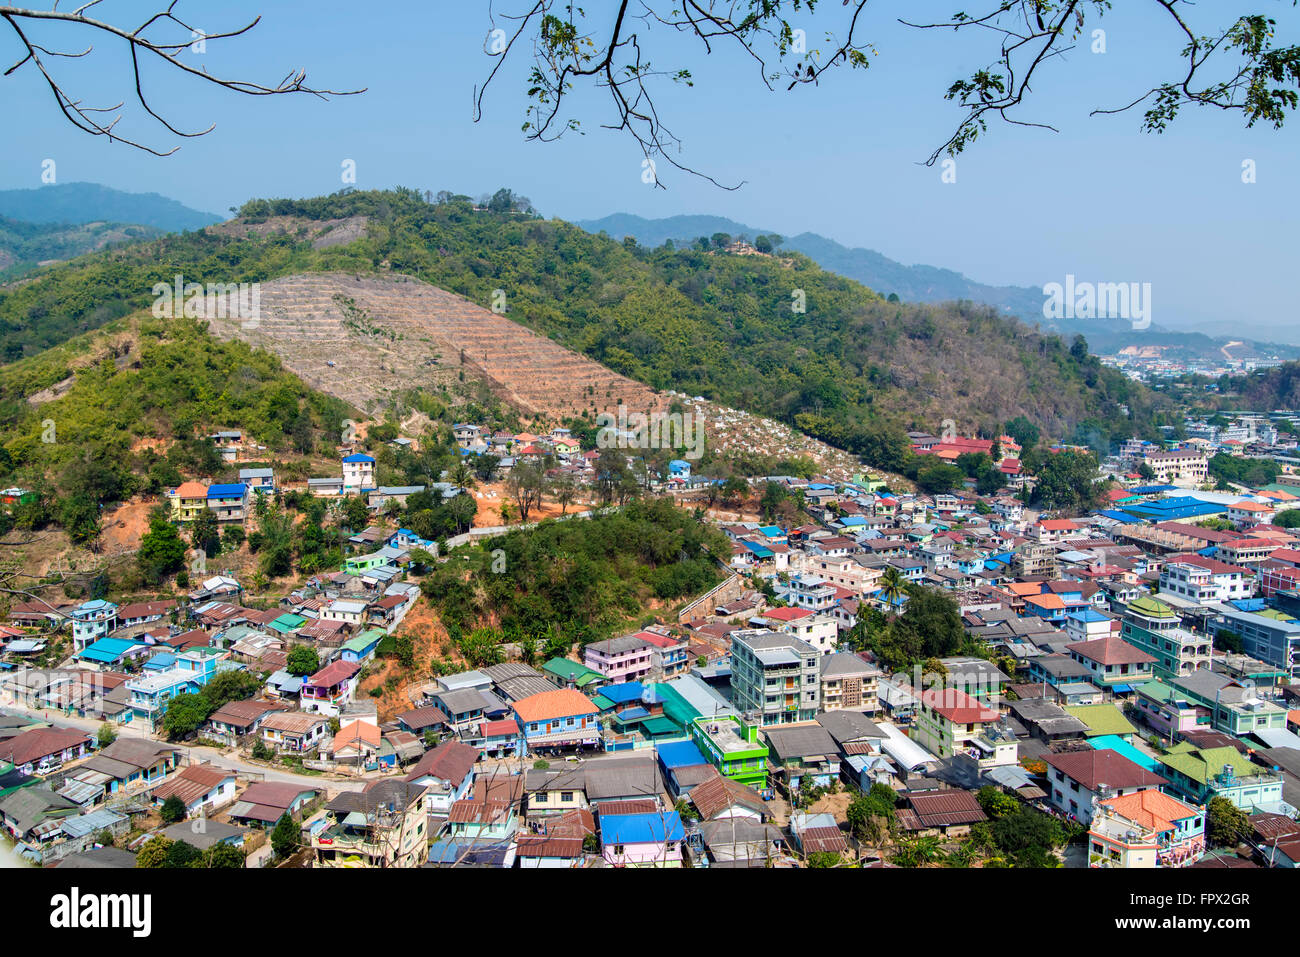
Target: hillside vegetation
x: 852, y: 368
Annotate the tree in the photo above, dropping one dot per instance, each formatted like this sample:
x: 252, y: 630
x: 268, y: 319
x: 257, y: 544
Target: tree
x: 106, y: 736
x: 1023, y: 431
x: 819, y: 859
x: 223, y: 855
x: 285, y: 838
x: 205, y: 533
x: 185, y: 714
x: 184, y: 854
x: 146, y: 44
x: 302, y: 660
x: 1068, y: 480
x: 525, y: 485
x: 871, y: 815
x: 1226, y: 824
x: 892, y: 585
x: 153, y: 853
x: 173, y: 810
x: 996, y: 803
x: 1289, y: 518
x: 162, y: 551
x: 576, y: 53
x: 356, y: 513
x: 938, y: 477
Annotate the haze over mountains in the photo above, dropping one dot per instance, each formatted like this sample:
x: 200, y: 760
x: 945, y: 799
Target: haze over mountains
x: 79, y: 203
x: 923, y: 283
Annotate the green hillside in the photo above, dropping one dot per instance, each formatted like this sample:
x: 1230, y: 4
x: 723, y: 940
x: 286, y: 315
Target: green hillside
x: 851, y: 368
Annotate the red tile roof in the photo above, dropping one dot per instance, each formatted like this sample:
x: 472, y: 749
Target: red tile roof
x: 957, y: 706
x: 1093, y: 768
x: 1110, y: 651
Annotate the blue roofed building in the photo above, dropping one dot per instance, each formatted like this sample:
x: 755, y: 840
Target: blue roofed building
x: 91, y: 621
x: 109, y: 653
x: 652, y: 839
x: 229, y: 502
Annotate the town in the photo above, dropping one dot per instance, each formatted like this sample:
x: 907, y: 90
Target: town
x: 882, y: 677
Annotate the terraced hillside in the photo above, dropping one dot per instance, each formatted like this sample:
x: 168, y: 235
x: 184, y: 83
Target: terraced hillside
x: 364, y: 339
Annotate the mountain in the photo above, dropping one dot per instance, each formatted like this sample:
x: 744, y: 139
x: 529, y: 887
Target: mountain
x: 81, y: 203
x: 921, y: 283
x: 24, y: 246
x: 774, y: 336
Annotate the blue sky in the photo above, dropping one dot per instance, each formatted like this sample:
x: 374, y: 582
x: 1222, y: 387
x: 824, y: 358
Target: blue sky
x: 1100, y: 199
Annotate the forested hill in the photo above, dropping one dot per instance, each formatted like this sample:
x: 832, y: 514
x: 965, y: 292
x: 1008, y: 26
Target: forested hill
x: 776, y: 336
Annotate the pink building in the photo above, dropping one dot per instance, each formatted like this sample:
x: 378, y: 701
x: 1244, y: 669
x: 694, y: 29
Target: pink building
x: 629, y: 658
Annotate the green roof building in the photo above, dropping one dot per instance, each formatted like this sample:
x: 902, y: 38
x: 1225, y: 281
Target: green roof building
x: 1202, y: 774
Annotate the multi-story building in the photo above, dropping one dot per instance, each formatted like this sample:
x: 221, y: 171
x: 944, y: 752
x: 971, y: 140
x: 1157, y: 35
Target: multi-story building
x: 818, y: 630
x: 358, y: 472
x: 1185, y: 467
x: 629, y: 658
x: 668, y: 654
x: 950, y: 722
x: 1152, y: 626
x: 1204, y: 580
x: 1200, y: 774
x: 1248, y: 512
x: 91, y: 621
x: 328, y: 690
x: 731, y: 744
x: 849, y: 684
x: 1078, y: 779
x: 188, y: 500
x: 229, y: 502
x: 807, y: 591
x: 1273, y: 640
x: 380, y: 826
x: 1146, y: 829
x: 775, y: 676
x: 1113, y: 663
x: 1233, y: 707
x: 558, y: 719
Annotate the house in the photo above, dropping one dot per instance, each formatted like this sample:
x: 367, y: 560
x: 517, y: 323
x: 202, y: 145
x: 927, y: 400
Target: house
x: 28, y: 809
x: 552, y: 791
x: 651, y: 839
x: 43, y: 750
x: 720, y: 798
x: 741, y: 842
x: 91, y: 621
x: 238, y: 719
x: 263, y: 803
x: 558, y: 719
x: 200, y: 787
x: 949, y: 722
x: 357, y: 742
x: 805, y: 755
x: 446, y: 773
x: 731, y: 744
x: 328, y: 690
x: 489, y: 815
x: 566, y: 673
x: 946, y: 812
x: 1078, y: 779
x: 848, y: 683
x: 1200, y: 774
x: 383, y: 825
x: 1146, y: 829
x: 560, y: 844
x: 294, y: 731
x: 620, y: 659
x: 129, y: 764
x: 229, y: 501
x: 187, y: 501
x: 258, y: 480
x: 358, y: 472
x: 1113, y: 664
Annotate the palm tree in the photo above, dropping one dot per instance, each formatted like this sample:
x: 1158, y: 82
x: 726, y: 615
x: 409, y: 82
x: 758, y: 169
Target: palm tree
x: 892, y: 586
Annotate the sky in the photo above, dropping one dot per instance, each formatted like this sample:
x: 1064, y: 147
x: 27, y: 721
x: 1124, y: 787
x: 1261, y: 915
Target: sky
x: 1099, y: 199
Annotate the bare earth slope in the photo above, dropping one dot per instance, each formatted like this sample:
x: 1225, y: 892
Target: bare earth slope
x: 388, y: 334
